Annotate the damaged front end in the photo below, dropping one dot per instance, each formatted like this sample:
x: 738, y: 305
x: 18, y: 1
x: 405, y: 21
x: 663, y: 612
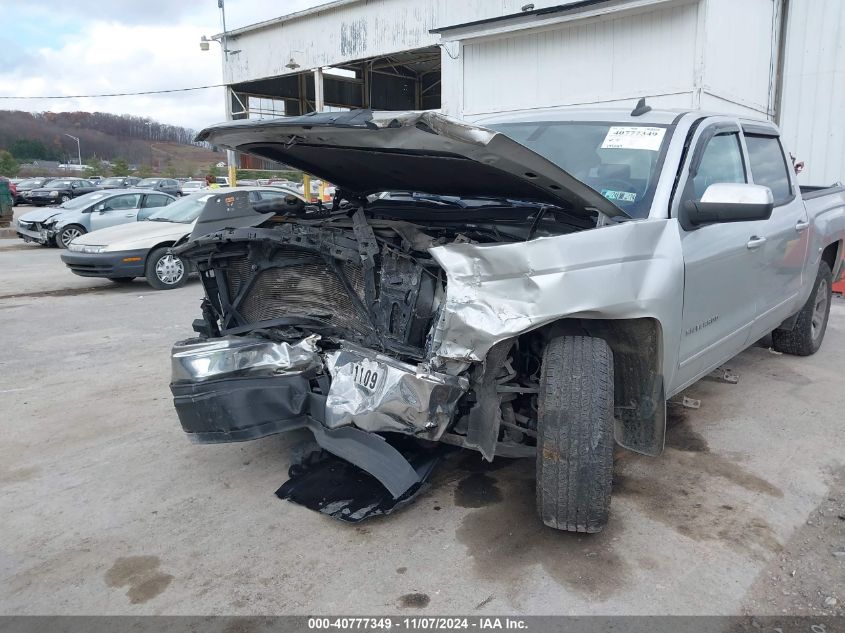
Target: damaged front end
x: 329, y: 325
x: 391, y: 315
x: 318, y: 327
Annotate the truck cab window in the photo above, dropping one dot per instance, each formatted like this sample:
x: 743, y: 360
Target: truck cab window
x: 720, y: 162
x: 768, y: 166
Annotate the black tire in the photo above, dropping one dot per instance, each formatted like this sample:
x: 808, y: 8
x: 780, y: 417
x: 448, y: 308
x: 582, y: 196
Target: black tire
x: 806, y: 337
x: 64, y: 198
x: 158, y: 277
x: 122, y: 280
x: 68, y: 233
x: 575, y: 434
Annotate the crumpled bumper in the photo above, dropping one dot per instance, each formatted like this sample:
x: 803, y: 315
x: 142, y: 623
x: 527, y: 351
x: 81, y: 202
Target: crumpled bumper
x: 241, y: 388
x: 42, y: 236
x: 377, y: 393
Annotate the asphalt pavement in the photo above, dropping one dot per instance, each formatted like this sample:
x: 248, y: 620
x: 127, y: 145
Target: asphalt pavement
x: 108, y: 508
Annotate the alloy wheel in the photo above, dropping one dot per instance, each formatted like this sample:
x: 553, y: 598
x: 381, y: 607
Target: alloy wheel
x: 68, y: 235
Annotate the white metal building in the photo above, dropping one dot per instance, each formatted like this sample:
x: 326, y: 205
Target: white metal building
x: 777, y: 59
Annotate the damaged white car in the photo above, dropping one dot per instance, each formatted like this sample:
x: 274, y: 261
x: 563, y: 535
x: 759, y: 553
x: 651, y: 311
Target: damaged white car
x: 537, y: 287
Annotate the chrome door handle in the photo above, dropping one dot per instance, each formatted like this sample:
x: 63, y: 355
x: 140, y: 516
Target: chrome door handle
x: 129, y: 215
x: 801, y: 225
x: 755, y: 242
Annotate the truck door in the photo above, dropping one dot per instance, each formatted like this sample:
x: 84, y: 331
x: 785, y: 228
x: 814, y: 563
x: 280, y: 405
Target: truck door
x: 721, y: 260
x: 786, y: 232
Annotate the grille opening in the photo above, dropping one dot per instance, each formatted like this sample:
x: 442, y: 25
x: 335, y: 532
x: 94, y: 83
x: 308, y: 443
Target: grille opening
x: 303, y: 286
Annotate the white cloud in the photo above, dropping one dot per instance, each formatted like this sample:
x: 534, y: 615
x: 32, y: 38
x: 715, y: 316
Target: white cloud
x: 131, y: 47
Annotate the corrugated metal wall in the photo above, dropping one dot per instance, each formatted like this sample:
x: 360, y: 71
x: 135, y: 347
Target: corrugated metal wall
x: 354, y: 31
x: 599, y: 60
x: 813, y: 103
x: 334, y: 36
x: 740, y: 56
x: 714, y: 54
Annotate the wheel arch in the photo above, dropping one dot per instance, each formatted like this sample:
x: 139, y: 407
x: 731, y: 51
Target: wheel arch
x: 75, y: 225
x: 639, y: 390
x: 165, y: 244
x: 832, y: 254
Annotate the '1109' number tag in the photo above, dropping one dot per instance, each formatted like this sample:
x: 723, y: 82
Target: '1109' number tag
x: 365, y: 376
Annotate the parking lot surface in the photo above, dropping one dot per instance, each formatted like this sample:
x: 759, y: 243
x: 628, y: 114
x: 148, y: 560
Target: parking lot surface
x: 108, y: 509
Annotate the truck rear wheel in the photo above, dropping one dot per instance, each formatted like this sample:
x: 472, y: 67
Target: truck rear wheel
x: 806, y: 337
x: 575, y: 434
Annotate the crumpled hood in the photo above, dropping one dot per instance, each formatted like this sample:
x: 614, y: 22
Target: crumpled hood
x: 135, y: 235
x: 365, y: 152
x: 40, y: 215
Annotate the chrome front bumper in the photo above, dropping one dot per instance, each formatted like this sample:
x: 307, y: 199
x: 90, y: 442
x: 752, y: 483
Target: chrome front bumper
x: 377, y: 393
x: 241, y: 388
x: 348, y: 386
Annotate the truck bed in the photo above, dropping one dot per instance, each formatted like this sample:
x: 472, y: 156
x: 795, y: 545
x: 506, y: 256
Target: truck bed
x: 826, y: 211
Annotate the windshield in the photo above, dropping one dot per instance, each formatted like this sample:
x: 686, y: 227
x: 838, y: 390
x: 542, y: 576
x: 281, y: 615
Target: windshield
x: 147, y: 183
x: 29, y: 183
x: 58, y: 183
x: 619, y: 161
x: 193, y: 184
x: 112, y: 181
x: 184, y: 210
x: 83, y: 201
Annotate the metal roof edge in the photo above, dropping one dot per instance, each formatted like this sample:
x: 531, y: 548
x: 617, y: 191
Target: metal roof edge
x: 560, y: 8
x: 290, y: 17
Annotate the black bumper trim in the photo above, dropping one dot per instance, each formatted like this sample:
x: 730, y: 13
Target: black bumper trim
x: 236, y: 409
x: 106, y: 264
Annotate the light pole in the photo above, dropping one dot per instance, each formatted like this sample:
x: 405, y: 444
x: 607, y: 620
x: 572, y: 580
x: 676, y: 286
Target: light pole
x: 224, y: 44
x: 78, y: 148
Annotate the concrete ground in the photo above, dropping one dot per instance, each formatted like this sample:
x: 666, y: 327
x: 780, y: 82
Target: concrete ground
x: 108, y: 509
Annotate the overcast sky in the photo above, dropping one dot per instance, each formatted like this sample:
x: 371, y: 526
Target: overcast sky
x: 52, y: 47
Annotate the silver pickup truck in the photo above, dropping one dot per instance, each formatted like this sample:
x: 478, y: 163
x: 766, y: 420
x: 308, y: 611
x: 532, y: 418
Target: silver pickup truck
x: 537, y: 285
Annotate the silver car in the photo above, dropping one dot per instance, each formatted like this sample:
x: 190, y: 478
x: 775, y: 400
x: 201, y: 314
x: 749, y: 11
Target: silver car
x: 96, y: 210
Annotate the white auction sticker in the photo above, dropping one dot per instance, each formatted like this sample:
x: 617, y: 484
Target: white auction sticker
x: 629, y: 137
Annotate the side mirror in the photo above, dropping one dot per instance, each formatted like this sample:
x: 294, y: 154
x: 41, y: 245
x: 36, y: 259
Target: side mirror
x: 730, y: 202
x: 101, y: 207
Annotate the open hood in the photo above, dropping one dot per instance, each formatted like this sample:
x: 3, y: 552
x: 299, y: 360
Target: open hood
x: 365, y: 152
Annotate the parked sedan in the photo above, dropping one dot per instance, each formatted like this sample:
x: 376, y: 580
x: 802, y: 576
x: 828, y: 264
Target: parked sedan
x: 119, y: 182
x: 167, y: 185
x: 142, y: 249
x: 97, y: 210
x: 60, y: 190
x: 192, y: 186
x: 24, y: 187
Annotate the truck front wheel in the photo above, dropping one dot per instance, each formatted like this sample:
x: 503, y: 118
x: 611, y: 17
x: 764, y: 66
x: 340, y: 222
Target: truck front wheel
x: 806, y: 337
x: 575, y: 434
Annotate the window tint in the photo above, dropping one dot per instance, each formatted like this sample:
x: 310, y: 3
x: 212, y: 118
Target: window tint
x: 768, y: 165
x: 156, y: 200
x: 273, y: 195
x: 128, y: 201
x: 721, y: 162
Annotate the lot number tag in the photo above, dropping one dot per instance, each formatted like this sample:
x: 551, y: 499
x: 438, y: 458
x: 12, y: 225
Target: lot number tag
x: 628, y: 137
